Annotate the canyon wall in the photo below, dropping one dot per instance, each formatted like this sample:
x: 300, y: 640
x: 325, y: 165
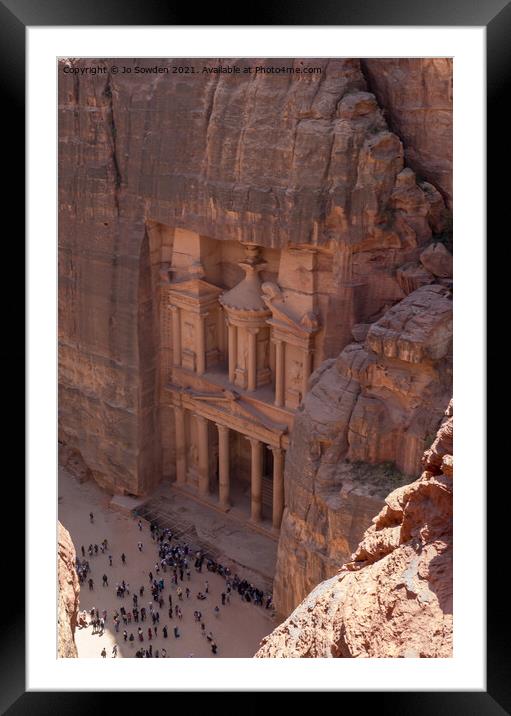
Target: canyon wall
x: 394, y: 597
x: 276, y: 160
x: 68, y: 595
x: 362, y: 429
x: 417, y: 96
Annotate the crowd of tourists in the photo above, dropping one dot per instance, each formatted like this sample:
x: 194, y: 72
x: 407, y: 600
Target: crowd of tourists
x: 174, y: 564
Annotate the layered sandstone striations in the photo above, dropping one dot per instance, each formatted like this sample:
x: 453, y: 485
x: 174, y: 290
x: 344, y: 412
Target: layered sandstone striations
x: 68, y: 595
x: 362, y: 429
x: 276, y: 160
x: 394, y: 597
x: 417, y: 95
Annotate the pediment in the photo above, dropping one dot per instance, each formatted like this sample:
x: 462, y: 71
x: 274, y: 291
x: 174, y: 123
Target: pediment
x: 232, y: 402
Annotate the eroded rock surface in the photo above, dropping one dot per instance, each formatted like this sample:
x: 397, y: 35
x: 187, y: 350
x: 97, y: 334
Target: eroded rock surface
x: 363, y: 427
x: 68, y: 595
x: 417, y: 95
x: 271, y: 160
x: 394, y: 597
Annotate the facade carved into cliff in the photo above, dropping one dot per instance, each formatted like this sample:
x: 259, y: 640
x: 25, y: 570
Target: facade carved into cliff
x: 307, y: 170
x: 394, y: 597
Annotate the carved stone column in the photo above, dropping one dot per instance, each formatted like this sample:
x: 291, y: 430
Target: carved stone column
x: 252, y: 358
x: 223, y: 466
x: 232, y: 349
x: 179, y: 416
x: 202, y: 425
x: 278, y: 486
x: 201, y: 345
x: 279, y: 372
x: 256, y: 480
x: 176, y: 336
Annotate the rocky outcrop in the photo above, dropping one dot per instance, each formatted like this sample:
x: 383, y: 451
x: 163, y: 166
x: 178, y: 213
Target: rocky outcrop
x: 269, y: 159
x: 68, y: 595
x: 417, y: 97
x: 362, y: 429
x: 394, y: 597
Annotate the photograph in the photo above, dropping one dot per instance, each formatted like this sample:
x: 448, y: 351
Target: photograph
x: 255, y: 357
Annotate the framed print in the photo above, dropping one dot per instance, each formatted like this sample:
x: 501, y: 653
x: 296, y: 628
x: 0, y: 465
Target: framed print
x: 247, y: 357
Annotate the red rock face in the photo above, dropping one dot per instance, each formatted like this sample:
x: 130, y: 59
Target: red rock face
x: 394, y: 597
x: 363, y: 426
x: 69, y: 595
x: 269, y: 160
x: 417, y: 95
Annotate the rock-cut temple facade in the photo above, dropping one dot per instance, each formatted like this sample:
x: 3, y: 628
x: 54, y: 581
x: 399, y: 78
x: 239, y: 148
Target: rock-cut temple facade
x: 240, y: 332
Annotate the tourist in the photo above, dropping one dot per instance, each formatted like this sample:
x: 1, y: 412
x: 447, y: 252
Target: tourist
x: 223, y: 598
x: 214, y: 647
x: 91, y: 518
x: 217, y: 611
x: 91, y: 584
x: 131, y: 639
x: 105, y: 580
x: 206, y: 587
x: 125, y: 635
x: 164, y: 653
x: 176, y: 632
x: 110, y: 560
x: 140, y: 546
x: 187, y: 593
x: 83, y: 551
x: 165, y: 632
x: 123, y: 558
x: 114, y: 651
x: 103, y: 652
x: 140, y: 525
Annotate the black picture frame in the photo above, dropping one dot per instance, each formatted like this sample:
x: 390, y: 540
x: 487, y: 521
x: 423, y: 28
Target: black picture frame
x: 15, y: 17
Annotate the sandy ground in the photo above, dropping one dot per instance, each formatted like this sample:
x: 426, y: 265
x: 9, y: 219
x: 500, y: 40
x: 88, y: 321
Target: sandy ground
x: 237, y: 631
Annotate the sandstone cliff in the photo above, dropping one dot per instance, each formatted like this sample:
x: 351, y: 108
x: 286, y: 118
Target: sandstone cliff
x: 270, y: 160
x: 417, y: 95
x: 68, y: 595
x: 394, y: 598
x: 362, y: 429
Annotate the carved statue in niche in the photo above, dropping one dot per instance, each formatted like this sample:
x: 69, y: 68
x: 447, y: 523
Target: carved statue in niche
x: 194, y: 454
x: 210, y: 336
x: 295, y: 373
x: 263, y: 354
x: 188, y: 336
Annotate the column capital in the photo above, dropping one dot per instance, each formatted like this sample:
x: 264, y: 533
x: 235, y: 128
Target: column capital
x: 276, y: 449
x: 173, y: 308
x: 253, y: 330
x: 200, y: 419
x: 222, y: 428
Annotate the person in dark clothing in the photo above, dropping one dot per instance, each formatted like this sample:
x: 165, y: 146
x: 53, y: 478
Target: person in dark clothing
x: 91, y: 584
x: 123, y: 558
x: 165, y: 632
x: 91, y: 517
x: 105, y: 580
x: 176, y: 632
